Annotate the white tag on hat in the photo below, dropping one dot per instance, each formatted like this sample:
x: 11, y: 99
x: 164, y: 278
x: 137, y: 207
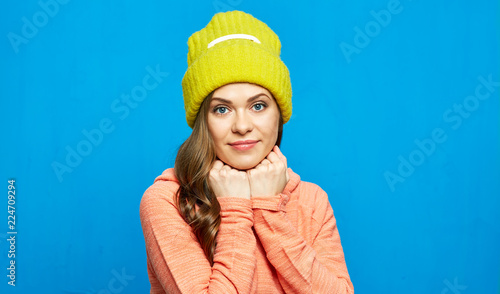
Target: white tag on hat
x: 233, y: 36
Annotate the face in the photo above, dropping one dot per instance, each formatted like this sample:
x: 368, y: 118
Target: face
x: 243, y: 120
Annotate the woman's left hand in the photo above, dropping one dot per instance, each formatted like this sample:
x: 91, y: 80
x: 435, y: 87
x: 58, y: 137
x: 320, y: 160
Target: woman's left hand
x: 270, y: 176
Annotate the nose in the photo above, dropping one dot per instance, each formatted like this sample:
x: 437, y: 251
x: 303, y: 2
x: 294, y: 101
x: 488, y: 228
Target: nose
x: 242, y: 123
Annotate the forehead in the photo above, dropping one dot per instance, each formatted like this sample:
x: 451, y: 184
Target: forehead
x: 240, y: 92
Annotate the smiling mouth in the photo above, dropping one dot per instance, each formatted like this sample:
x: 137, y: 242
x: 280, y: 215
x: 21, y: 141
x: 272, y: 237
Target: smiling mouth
x: 243, y: 146
x: 243, y: 142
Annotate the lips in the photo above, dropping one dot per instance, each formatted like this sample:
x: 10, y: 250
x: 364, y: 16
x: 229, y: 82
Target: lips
x: 243, y: 145
x: 245, y: 142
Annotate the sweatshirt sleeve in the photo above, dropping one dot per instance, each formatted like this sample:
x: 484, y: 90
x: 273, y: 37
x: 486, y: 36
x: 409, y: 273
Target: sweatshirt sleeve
x: 303, y: 268
x: 176, y: 259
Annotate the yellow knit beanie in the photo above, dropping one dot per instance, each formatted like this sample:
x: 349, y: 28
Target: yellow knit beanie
x: 234, y: 47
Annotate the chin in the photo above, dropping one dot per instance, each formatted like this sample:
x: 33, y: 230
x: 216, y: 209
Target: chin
x: 243, y: 164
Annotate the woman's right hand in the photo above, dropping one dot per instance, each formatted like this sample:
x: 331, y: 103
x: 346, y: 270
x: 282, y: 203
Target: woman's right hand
x: 226, y: 181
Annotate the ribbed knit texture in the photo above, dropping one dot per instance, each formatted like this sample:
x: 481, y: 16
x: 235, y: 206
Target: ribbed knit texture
x: 235, y: 60
x: 287, y: 243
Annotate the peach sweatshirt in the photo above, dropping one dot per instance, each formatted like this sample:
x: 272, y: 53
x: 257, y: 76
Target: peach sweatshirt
x: 287, y: 243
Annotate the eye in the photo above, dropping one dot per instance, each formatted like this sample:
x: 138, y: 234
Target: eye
x: 220, y: 110
x: 259, y: 106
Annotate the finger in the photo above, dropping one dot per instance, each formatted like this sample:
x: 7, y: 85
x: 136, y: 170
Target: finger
x: 217, y: 165
x: 273, y: 157
x: 226, y: 167
x: 280, y: 154
x: 243, y: 174
x: 265, y: 161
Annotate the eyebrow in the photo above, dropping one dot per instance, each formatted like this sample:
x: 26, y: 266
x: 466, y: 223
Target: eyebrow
x: 249, y: 99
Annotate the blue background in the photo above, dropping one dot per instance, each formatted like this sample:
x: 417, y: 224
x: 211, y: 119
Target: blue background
x: 410, y: 221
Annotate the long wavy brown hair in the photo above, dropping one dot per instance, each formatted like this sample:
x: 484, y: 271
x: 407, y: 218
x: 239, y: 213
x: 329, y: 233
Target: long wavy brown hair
x: 192, y: 167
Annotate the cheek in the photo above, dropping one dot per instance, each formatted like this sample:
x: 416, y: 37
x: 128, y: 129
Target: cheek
x: 269, y: 126
x: 217, y: 132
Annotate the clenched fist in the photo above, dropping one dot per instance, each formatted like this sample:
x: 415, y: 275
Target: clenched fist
x: 226, y: 181
x: 270, y: 176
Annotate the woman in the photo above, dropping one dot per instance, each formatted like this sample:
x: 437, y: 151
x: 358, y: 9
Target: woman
x: 231, y: 217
